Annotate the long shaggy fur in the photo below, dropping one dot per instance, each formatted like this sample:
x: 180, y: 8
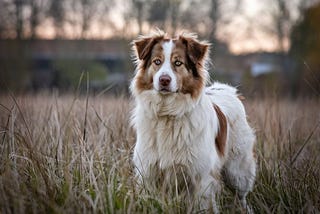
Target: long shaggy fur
x: 202, y: 129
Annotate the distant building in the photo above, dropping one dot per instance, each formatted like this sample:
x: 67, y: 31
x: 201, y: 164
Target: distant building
x: 41, y: 55
x: 261, y: 68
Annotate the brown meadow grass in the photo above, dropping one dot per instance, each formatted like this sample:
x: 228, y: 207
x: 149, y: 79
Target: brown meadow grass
x: 72, y: 154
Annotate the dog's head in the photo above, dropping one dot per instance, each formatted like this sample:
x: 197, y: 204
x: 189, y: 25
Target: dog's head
x: 170, y: 65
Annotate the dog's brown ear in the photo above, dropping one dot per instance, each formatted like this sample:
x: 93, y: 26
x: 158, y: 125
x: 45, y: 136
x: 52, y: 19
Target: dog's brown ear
x: 196, y: 50
x: 143, y: 46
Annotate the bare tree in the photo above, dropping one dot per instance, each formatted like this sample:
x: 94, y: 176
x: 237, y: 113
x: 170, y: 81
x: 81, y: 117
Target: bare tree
x: 284, y: 14
x: 34, y: 20
x: 136, y: 13
x: 7, y: 17
x: 192, y: 15
x: 174, y: 14
x: 91, y: 10
x: 83, y: 14
x: 165, y: 14
x: 19, y: 18
x: 37, y: 10
x: 138, y: 5
x: 57, y: 13
x: 158, y: 12
x: 220, y: 14
x: 214, y: 14
x: 281, y: 20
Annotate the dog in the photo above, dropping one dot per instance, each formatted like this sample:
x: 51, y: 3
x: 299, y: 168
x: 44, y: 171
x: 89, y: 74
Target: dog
x: 179, y: 121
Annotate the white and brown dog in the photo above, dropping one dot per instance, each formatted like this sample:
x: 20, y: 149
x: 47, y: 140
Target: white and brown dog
x: 180, y: 121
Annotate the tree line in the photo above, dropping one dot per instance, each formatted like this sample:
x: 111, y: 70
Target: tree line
x: 78, y: 19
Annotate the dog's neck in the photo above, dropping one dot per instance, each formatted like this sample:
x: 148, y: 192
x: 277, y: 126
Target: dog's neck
x: 157, y: 105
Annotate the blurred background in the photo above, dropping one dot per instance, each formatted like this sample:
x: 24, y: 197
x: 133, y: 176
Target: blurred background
x: 266, y: 48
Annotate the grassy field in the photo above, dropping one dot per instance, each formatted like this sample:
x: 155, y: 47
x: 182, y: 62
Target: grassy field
x: 69, y: 154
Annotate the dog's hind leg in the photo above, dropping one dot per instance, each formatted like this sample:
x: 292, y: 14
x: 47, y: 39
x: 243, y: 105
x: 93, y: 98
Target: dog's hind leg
x: 239, y: 174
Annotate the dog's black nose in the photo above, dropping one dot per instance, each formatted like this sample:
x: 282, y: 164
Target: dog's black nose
x: 164, y: 80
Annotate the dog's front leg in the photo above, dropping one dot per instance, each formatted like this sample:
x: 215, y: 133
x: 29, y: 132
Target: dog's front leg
x: 144, y: 159
x: 209, y: 187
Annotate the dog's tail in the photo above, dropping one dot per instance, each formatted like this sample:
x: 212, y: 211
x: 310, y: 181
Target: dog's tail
x: 224, y: 88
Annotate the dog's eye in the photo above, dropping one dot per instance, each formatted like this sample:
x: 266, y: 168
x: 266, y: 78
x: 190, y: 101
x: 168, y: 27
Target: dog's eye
x: 157, y: 61
x: 177, y: 63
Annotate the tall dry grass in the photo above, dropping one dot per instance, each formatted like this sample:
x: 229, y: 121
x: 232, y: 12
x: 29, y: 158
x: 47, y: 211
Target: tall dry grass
x: 71, y: 154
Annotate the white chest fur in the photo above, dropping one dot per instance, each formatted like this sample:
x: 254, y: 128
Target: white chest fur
x: 186, y: 139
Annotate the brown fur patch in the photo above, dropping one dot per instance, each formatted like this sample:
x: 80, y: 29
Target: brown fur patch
x: 196, y: 50
x: 144, y: 46
x: 192, y: 86
x: 143, y: 81
x: 221, y: 138
x: 146, y: 49
x: 192, y: 54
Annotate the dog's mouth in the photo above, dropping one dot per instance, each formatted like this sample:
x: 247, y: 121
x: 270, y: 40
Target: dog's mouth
x: 164, y: 90
x: 167, y: 91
